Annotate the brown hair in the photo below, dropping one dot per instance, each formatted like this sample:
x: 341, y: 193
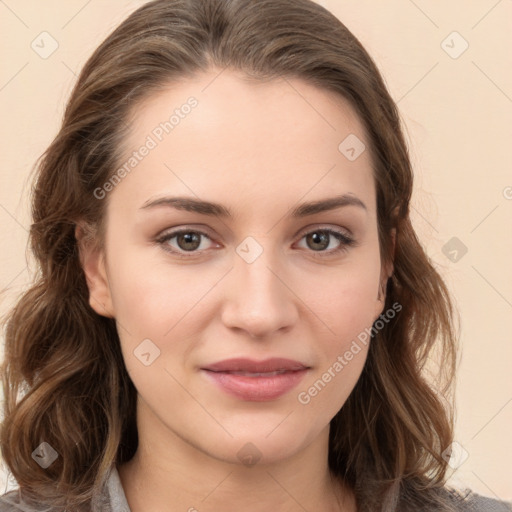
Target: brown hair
x: 65, y: 360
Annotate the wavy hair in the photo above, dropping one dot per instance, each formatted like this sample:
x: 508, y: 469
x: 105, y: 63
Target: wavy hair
x: 63, y: 374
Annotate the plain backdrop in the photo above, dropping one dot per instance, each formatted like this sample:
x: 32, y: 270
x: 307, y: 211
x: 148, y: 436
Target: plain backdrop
x: 448, y: 66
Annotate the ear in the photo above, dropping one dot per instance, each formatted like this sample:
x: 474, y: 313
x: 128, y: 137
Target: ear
x: 385, y: 274
x: 92, y: 260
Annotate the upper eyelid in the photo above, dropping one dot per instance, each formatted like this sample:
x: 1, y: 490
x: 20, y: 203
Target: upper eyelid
x: 204, y: 230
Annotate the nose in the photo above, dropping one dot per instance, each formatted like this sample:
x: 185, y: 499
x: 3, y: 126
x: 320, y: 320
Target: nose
x: 259, y: 301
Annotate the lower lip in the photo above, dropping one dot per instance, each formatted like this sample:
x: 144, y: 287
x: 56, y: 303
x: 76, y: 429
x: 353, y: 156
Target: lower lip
x: 257, y: 389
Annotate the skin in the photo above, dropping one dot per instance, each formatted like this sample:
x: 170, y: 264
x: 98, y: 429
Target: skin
x: 260, y: 150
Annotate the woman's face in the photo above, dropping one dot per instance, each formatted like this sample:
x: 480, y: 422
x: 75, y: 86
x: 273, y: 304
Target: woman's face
x: 266, y: 281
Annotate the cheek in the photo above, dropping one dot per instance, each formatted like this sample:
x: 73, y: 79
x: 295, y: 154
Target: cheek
x: 344, y: 299
x: 344, y: 305
x: 169, y: 305
x: 154, y: 310
x: 352, y: 307
x: 151, y: 297
x: 348, y: 312
x: 345, y: 312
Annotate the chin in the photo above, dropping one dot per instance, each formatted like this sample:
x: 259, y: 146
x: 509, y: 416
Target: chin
x: 256, y: 445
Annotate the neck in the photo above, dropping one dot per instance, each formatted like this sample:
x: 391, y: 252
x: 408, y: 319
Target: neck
x: 168, y: 473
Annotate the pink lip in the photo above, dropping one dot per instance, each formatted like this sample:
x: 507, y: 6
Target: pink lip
x: 256, y: 388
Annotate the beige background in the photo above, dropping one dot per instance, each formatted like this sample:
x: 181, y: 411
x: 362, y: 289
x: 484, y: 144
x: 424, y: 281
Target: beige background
x: 458, y: 114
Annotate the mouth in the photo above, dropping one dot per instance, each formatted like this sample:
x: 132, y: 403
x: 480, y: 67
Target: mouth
x: 256, y: 381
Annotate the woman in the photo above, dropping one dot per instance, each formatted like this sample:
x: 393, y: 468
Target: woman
x: 233, y: 308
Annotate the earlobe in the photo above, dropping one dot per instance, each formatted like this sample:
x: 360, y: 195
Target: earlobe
x: 92, y: 260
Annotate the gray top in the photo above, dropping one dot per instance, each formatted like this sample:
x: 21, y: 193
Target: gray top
x: 113, y: 499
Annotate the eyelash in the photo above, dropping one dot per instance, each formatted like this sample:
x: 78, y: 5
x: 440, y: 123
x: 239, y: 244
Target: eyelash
x: 345, y: 240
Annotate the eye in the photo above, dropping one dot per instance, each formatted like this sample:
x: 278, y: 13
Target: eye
x: 190, y: 241
x: 320, y: 239
x: 187, y: 240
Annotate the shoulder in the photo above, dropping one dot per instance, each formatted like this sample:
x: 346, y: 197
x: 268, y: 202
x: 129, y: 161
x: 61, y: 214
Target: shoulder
x: 110, y: 498
x: 468, y: 501
x: 12, y: 502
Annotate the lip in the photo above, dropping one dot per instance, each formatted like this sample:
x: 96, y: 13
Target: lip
x: 251, y: 365
x: 229, y: 376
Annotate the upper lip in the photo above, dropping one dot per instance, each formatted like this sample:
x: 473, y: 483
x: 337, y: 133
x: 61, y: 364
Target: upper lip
x: 250, y: 365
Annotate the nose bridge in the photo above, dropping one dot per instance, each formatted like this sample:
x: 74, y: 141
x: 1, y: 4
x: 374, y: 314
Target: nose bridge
x: 260, y: 302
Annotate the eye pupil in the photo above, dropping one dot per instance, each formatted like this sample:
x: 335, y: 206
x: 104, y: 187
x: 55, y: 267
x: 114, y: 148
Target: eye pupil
x: 189, y: 238
x: 319, y: 237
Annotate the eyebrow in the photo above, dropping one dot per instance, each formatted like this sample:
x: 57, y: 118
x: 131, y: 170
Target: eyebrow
x: 217, y: 210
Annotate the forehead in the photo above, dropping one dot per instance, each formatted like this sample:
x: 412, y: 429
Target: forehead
x: 219, y: 134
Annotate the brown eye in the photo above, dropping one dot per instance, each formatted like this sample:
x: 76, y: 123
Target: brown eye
x: 187, y: 240
x: 319, y: 240
x: 183, y: 241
